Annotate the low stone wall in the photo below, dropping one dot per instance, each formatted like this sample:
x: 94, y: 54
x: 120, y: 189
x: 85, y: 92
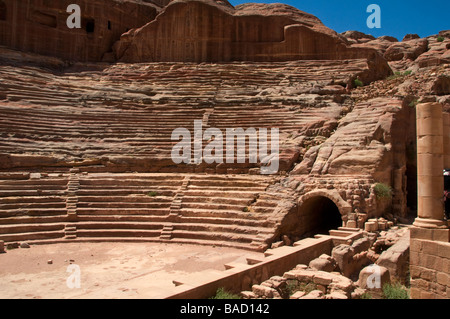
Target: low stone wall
x: 396, y: 259
x: 240, y: 277
x: 430, y: 263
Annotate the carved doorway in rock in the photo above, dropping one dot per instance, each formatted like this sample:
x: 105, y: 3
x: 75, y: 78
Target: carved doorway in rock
x: 2, y: 11
x: 319, y: 214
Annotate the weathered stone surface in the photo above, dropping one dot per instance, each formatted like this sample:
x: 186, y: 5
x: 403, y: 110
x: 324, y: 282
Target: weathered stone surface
x: 396, y: 259
x: 323, y: 263
x: 40, y: 26
x: 24, y: 245
x: 248, y: 295
x: 410, y: 36
x: 297, y: 295
x: 360, y: 245
x: 336, y: 295
x: 263, y: 291
x: 315, y: 294
x: 284, y: 33
x: 343, y: 254
x: 410, y: 49
x: 300, y: 274
x: 441, y: 86
x: 373, y: 277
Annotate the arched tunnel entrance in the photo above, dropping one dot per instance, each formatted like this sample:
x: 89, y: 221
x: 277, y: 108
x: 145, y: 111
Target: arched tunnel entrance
x: 318, y: 215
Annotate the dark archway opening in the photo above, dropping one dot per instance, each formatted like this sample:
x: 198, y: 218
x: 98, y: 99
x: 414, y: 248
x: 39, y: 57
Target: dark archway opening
x: 319, y: 215
x: 2, y: 11
x: 90, y: 26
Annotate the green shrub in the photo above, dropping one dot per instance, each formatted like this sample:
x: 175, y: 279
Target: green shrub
x: 366, y: 295
x: 414, y: 103
x: 395, y: 291
x: 152, y: 194
x: 398, y: 74
x: 221, y: 293
x: 383, y: 191
x: 440, y: 39
x: 358, y: 83
x: 294, y: 285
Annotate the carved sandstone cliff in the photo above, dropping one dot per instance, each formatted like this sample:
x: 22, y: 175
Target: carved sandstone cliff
x: 40, y: 26
x: 205, y: 31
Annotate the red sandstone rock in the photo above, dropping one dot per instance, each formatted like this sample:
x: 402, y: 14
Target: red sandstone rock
x: 187, y: 31
x: 40, y: 26
x: 410, y: 49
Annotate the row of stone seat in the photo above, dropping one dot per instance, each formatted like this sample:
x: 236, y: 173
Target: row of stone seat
x: 197, y: 208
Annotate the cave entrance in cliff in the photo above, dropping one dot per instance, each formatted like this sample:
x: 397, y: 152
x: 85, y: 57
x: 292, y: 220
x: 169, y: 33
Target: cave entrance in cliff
x: 2, y: 11
x: 320, y: 214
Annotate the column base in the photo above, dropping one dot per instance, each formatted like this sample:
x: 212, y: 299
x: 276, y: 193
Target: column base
x: 429, y: 223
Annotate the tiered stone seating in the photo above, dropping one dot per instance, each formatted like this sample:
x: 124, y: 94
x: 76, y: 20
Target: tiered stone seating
x: 197, y: 209
x: 114, y: 125
x: 32, y: 208
x: 124, y: 205
x: 225, y: 209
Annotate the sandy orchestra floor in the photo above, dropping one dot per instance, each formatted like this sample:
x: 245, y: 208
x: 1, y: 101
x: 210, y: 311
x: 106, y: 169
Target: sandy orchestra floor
x: 108, y: 270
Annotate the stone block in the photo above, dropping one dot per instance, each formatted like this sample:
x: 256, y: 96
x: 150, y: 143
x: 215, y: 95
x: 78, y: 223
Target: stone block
x: 323, y: 263
x: 315, y: 294
x: 336, y: 295
x: 248, y: 295
x: 361, y: 244
x: 351, y: 224
x: 443, y: 279
x: 433, y: 234
x: 323, y: 278
x: 341, y: 283
x: 263, y: 291
x: 298, y: 295
x: 300, y: 275
x: 2, y: 246
x: 415, y: 293
x: 430, y: 247
x: 415, y: 245
x: 343, y: 254
x: 429, y: 186
x: 370, y: 226
x: 444, y: 250
x: 374, y: 277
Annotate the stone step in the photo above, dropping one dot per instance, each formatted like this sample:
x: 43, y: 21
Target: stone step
x: 118, y: 225
x: 223, y: 214
x: 117, y: 233
x: 28, y: 228
x: 121, y: 211
x: 204, y: 235
x: 32, y: 236
x: 33, y: 212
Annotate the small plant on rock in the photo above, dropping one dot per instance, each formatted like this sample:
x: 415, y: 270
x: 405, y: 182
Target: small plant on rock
x: 440, y: 39
x: 366, y: 295
x: 358, y: 83
x: 221, y: 293
x: 294, y: 285
x: 395, y: 291
x: 152, y: 194
x: 383, y: 191
x: 414, y: 103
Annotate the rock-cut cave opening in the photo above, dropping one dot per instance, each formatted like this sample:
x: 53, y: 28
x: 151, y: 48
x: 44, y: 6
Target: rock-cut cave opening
x: 320, y: 214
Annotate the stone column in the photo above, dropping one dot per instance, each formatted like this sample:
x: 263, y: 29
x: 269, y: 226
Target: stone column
x: 446, y: 140
x: 430, y: 165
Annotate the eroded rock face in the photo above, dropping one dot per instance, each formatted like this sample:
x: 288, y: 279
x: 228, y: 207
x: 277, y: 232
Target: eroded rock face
x: 188, y: 31
x: 410, y: 49
x: 40, y: 26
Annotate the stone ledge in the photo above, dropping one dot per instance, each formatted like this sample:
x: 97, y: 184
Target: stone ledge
x: 442, y: 235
